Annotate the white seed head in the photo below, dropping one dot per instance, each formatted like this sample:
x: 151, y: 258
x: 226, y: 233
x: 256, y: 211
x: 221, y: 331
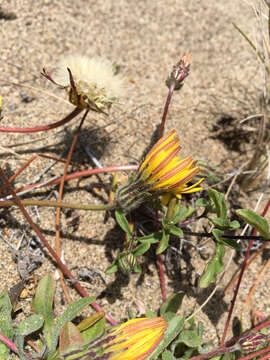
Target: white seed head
x: 94, y: 79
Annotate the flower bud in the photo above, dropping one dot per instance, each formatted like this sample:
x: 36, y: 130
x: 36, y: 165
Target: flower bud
x: 253, y: 341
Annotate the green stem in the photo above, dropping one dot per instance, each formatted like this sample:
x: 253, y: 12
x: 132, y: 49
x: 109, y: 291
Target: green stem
x: 57, y: 204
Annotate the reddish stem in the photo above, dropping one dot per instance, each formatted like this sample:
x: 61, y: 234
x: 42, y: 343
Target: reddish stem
x: 162, y: 277
x: 50, y: 249
x: 58, y: 210
x: 78, y: 175
x: 11, y: 345
x: 166, y: 108
x: 257, y: 353
x: 66, y: 119
x: 236, y: 292
x: 240, y: 278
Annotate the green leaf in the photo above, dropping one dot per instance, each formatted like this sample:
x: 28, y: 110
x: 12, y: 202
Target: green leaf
x: 190, y: 338
x: 90, y: 321
x: 42, y: 305
x: 176, y: 231
x: 167, y: 355
x: 150, y: 313
x: 72, y: 310
x: 228, y: 242
x: 94, y: 331
x: 19, y: 342
x: 141, y: 249
x: 122, y: 222
x: 256, y: 221
x: 70, y: 338
x: 6, y: 326
x: 171, y: 306
x: 219, y: 202
x: 213, y: 267
x: 220, y: 223
x: 174, y: 327
x: 200, y: 329
x: 30, y: 324
x: 234, y: 225
x: 202, y: 202
x: 151, y: 238
x: 164, y: 242
x: 112, y: 269
x: 183, y: 214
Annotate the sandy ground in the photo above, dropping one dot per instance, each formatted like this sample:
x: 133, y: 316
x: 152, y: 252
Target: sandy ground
x: 145, y: 38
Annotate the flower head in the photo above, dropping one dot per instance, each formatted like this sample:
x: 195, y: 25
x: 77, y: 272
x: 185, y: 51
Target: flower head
x: 162, y: 172
x: 180, y: 72
x: 133, y: 340
x: 136, y: 339
x: 90, y: 82
x: 253, y: 341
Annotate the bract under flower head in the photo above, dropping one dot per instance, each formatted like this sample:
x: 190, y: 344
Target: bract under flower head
x: 162, y: 172
x: 90, y: 82
x: 136, y: 339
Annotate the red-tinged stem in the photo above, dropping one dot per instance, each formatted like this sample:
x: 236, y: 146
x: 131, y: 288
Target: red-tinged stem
x: 162, y: 277
x: 230, y: 348
x: 257, y: 353
x: 81, y: 174
x: 266, y: 357
x: 261, y: 326
x: 166, y: 108
x: 236, y: 292
x: 66, y: 119
x: 50, y: 249
x: 161, y: 132
x: 11, y: 345
x: 220, y: 351
x: 240, y: 278
x: 58, y: 210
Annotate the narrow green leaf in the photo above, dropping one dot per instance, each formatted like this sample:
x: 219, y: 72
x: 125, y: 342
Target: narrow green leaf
x: 112, y: 269
x: 90, y: 321
x: 190, y: 338
x: 72, y: 310
x: 234, y: 225
x: 122, y: 222
x: 163, y: 243
x: 167, y: 355
x: 228, y: 242
x: 220, y: 223
x: 19, y: 342
x: 184, y: 213
x: 141, y: 249
x: 6, y: 327
x: 174, y: 327
x: 30, y: 324
x: 256, y: 221
x: 43, y: 305
x: 219, y: 202
x: 150, y: 313
x: 95, y: 330
x: 176, y: 231
x: 171, y: 306
x: 151, y: 238
x: 202, y: 202
x: 70, y: 338
x: 213, y: 267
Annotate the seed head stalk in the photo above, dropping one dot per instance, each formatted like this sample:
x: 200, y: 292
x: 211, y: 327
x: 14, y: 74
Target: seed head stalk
x: 166, y: 108
x: 175, y: 81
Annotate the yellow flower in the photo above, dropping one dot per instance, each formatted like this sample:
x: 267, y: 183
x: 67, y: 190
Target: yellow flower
x: 162, y: 172
x: 90, y: 82
x: 136, y: 339
x: 166, y: 172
